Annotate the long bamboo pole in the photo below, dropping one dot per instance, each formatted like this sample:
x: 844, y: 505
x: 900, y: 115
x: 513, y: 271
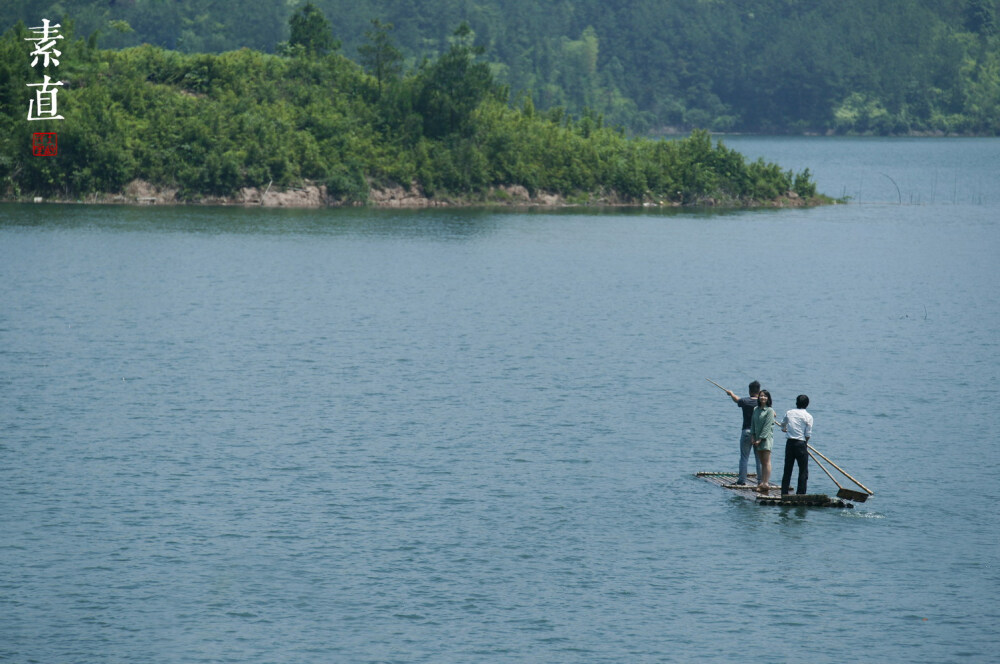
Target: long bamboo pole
x: 870, y: 492
x: 850, y: 494
x: 717, y: 385
x: 825, y: 470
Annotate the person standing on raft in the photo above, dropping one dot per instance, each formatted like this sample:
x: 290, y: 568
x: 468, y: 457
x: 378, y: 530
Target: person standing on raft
x: 746, y: 404
x: 762, y: 438
x: 798, y: 424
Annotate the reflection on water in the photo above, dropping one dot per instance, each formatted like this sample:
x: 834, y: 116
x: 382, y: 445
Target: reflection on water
x: 435, y: 222
x: 439, y: 222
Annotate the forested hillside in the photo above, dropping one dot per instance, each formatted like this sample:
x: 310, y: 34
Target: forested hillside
x: 858, y: 66
x: 215, y: 125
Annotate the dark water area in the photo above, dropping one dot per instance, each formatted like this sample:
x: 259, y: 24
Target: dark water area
x: 243, y: 435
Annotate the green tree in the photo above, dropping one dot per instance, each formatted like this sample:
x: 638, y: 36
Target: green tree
x: 450, y: 88
x: 380, y: 56
x: 311, y: 30
x: 980, y: 17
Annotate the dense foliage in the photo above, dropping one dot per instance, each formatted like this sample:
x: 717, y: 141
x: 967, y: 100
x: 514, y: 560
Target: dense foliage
x: 863, y: 66
x: 210, y: 124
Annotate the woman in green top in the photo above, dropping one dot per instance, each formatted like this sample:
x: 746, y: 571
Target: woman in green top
x: 762, y: 438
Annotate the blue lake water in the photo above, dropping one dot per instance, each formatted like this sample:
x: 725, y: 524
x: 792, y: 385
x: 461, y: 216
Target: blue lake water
x: 244, y: 435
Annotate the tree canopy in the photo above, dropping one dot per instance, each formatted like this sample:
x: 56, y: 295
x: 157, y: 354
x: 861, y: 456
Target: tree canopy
x: 859, y: 66
x: 211, y: 124
x: 310, y: 30
x: 379, y: 55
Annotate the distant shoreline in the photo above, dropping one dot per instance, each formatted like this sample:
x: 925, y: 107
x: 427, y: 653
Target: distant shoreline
x: 140, y: 193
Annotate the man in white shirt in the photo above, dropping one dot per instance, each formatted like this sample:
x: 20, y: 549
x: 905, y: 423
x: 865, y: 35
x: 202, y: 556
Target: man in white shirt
x: 798, y: 425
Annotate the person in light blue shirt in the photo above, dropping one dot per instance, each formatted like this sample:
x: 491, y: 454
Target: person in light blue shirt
x: 798, y: 424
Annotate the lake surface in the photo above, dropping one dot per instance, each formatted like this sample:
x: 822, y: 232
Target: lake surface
x: 244, y: 435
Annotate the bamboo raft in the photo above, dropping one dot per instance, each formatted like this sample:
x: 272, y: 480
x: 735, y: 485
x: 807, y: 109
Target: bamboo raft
x: 774, y: 497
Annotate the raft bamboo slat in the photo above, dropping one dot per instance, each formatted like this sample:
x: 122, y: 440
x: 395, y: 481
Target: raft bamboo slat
x: 748, y: 491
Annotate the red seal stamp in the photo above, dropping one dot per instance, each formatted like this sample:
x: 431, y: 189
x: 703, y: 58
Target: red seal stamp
x: 44, y: 144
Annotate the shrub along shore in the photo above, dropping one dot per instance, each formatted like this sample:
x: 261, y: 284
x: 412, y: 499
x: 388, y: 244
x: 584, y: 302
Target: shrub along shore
x: 147, y: 125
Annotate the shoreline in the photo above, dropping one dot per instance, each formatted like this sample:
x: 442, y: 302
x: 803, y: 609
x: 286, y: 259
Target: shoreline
x: 310, y: 195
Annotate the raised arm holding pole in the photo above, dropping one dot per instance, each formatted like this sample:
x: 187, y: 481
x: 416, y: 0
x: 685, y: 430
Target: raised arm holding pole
x: 746, y: 404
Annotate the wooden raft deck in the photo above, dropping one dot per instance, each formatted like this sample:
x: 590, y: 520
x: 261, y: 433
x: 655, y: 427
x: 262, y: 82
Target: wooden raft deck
x: 725, y: 480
